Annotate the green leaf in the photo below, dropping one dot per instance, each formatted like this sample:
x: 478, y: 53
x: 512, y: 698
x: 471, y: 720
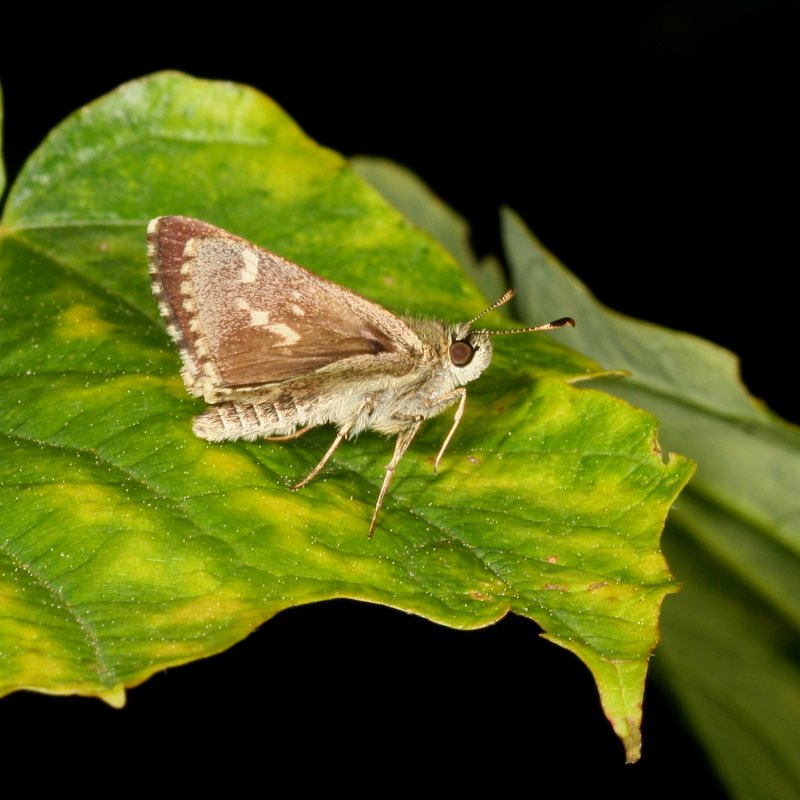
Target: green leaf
x: 731, y: 662
x: 734, y: 535
x: 129, y: 545
x: 407, y: 193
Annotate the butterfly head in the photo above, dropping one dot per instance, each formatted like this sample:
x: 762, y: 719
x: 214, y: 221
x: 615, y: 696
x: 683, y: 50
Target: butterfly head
x: 471, y: 351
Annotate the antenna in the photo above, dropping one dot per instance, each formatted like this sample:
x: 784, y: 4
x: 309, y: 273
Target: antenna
x: 564, y: 322
x: 497, y: 303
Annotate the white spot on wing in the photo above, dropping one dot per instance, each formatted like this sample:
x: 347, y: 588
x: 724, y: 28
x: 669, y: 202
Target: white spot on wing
x: 250, y: 269
x: 260, y: 319
x: 288, y: 335
x: 298, y: 310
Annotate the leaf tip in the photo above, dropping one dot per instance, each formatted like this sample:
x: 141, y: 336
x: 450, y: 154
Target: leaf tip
x: 115, y: 697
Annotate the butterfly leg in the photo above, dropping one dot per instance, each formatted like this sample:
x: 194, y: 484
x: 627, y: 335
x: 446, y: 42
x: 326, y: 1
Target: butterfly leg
x: 403, y: 441
x: 461, y: 392
x: 288, y: 437
x: 314, y: 472
x: 367, y: 405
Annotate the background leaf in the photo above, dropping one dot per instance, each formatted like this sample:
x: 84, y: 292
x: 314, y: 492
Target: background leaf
x: 2, y: 165
x: 130, y: 545
x: 729, y: 651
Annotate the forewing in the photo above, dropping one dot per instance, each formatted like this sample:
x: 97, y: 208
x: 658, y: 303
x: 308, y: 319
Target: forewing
x: 243, y: 317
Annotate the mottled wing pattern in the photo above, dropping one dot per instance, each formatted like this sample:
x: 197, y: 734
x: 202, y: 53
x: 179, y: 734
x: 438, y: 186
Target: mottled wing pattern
x: 244, y: 317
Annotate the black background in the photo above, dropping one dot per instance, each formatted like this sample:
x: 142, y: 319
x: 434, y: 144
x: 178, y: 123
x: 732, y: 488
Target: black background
x: 653, y: 148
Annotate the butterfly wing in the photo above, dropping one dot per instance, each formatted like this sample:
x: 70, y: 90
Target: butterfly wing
x: 243, y: 317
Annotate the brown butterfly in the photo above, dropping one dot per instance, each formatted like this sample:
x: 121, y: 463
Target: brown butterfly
x: 278, y: 350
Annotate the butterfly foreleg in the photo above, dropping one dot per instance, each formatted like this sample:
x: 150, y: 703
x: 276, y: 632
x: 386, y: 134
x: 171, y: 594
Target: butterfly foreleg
x: 460, y: 393
x: 435, y: 406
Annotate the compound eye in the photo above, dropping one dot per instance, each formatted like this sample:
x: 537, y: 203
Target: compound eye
x: 461, y: 353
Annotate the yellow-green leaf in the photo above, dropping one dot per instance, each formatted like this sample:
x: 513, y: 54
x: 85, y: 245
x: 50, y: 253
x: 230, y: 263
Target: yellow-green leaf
x: 128, y: 545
